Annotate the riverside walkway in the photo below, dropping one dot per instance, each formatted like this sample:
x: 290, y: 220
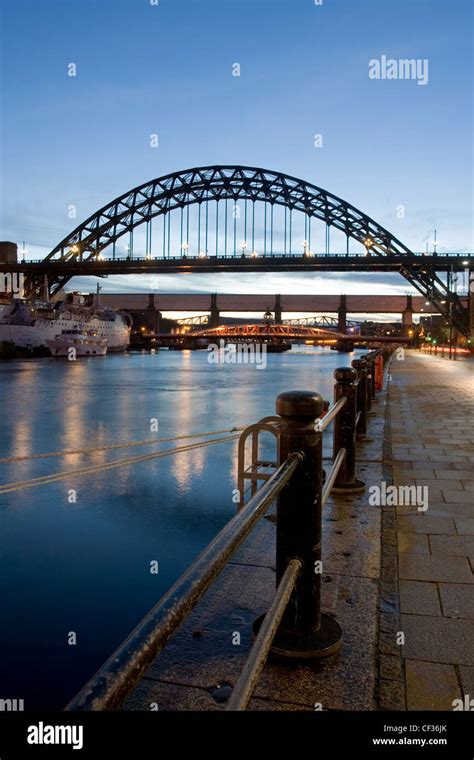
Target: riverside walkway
x: 431, y: 424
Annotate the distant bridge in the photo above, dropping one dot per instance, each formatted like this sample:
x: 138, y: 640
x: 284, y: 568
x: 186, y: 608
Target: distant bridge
x: 271, y: 334
x: 323, y: 322
x: 151, y: 306
x: 258, y: 303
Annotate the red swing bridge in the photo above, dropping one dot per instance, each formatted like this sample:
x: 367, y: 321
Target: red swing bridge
x: 278, y: 337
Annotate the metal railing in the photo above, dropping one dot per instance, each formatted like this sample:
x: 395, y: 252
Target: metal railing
x: 294, y: 625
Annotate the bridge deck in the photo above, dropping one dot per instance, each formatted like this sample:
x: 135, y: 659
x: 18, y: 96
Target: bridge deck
x: 258, y: 303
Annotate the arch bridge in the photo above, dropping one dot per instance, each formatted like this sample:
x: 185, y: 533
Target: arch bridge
x: 234, y: 218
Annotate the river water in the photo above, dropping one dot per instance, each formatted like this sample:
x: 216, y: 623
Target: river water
x: 76, y: 566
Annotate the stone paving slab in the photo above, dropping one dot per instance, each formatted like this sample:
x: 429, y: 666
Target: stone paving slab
x: 457, y: 600
x: 429, y: 525
x: 464, y: 526
x: 431, y: 686
x: 413, y: 543
x: 419, y: 598
x: 435, y: 568
x: 452, y: 546
x: 438, y: 639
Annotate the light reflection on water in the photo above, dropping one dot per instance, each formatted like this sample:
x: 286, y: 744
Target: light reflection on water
x: 84, y: 566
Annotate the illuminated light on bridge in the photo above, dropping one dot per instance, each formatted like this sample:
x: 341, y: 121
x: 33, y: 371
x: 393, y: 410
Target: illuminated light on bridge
x: 194, y: 203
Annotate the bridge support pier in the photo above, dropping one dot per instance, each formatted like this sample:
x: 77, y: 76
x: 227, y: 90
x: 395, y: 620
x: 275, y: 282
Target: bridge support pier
x: 342, y: 315
x: 278, y: 310
x: 153, y: 316
x: 345, y: 346
x: 214, y: 319
x: 407, y: 318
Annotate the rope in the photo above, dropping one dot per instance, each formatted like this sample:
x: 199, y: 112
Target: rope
x: 111, y: 447
x: 45, y: 479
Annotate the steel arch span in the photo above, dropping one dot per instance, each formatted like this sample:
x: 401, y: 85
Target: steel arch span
x: 215, y: 183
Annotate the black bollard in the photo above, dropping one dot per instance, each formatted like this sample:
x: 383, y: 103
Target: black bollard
x: 375, y: 355
x: 304, y: 632
x: 345, y: 431
x: 360, y: 366
x: 370, y: 363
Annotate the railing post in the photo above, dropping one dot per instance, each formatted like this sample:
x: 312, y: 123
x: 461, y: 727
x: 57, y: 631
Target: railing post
x: 370, y: 358
x: 360, y: 366
x: 345, y: 431
x: 374, y: 359
x: 304, y: 632
x: 370, y: 364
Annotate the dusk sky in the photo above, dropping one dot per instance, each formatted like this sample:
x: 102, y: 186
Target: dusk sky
x: 167, y: 69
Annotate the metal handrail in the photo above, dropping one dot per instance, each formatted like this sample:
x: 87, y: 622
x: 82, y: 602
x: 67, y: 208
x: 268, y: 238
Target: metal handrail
x: 247, y: 681
x: 253, y: 473
x: 331, y: 413
x: 124, y: 668
x: 331, y: 477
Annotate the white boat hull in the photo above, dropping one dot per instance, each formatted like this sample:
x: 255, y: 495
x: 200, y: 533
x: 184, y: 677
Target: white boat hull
x: 85, y: 349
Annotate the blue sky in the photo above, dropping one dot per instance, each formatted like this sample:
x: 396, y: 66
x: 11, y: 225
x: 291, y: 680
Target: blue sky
x: 167, y: 69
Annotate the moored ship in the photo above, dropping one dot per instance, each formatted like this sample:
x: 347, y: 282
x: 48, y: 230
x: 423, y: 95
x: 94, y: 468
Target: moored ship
x: 29, y: 325
x: 79, y: 342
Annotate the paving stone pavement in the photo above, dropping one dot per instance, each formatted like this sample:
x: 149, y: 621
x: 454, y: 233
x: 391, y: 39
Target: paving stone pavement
x: 431, y: 402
